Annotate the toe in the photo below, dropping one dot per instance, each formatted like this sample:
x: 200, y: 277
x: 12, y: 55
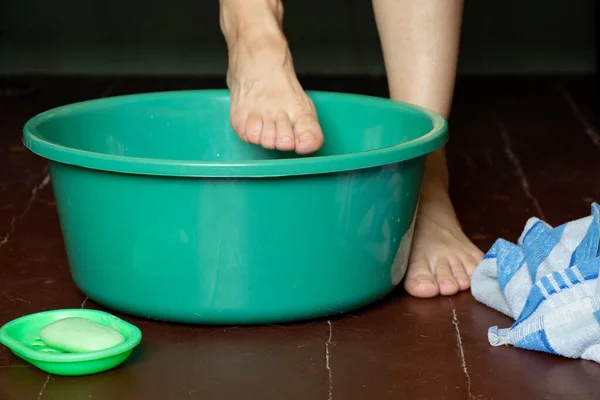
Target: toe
x: 460, y: 275
x: 419, y: 281
x: 238, y: 123
x: 444, y: 277
x: 254, y: 125
x: 269, y: 134
x: 470, y: 261
x: 309, y: 137
x: 285, y: 134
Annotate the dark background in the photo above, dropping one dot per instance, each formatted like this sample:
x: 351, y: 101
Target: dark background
x: 332, y: 37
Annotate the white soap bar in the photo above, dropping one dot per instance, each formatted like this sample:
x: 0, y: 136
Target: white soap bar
x: 79, y: 335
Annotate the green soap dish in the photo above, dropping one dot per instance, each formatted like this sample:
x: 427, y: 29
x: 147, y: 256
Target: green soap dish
x: 22, y: 337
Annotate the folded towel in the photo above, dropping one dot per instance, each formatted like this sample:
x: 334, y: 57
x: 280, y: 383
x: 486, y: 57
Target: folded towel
x: 548, y: 283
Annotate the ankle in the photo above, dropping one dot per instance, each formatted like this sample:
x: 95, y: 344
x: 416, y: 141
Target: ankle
x: 268, y: 50
x: 436, y: 177
x: 251, y: 20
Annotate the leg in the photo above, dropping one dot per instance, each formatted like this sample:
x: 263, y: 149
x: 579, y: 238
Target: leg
x: 268, y: 105
x: 420, y: 45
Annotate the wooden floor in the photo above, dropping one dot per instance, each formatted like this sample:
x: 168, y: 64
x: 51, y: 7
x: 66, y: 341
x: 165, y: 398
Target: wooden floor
x: 519, y: 147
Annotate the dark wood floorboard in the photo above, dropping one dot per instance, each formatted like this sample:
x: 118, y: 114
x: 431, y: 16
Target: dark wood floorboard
x: 520, y: 147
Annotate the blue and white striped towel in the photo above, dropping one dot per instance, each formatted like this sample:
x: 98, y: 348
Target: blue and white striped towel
x: 549, y: 284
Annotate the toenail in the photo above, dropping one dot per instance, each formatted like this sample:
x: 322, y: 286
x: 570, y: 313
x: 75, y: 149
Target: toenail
x: 306, y: 137
x: 424, y: 280
x: 447, y: 282
x: 286, y: 139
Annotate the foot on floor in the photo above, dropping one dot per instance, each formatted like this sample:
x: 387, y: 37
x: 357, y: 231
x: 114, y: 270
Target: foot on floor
x: 442, y: 257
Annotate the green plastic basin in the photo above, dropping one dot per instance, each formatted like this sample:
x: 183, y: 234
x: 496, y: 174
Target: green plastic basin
x: 166, y: 214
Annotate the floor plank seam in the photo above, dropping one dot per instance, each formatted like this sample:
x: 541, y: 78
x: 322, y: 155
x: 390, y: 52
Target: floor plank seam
x: 519, y: 170
x: 34, y: 192
x: 588, y: 127
x: 328, y: 344
x: 461, y: 350
x: 14, y: 299
x: 41, y: 393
